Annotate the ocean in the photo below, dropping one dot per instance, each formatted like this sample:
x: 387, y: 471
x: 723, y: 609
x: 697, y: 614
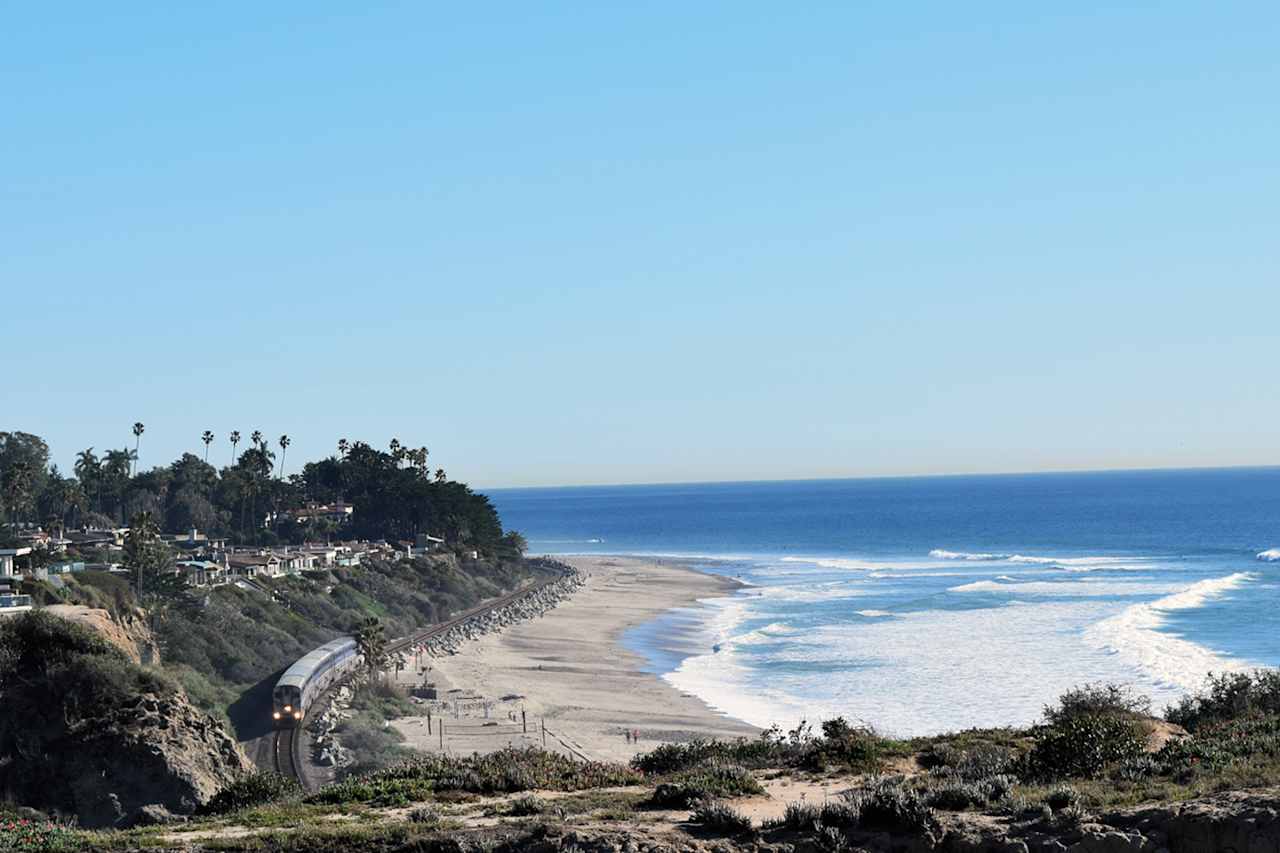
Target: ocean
x: 928, y: 604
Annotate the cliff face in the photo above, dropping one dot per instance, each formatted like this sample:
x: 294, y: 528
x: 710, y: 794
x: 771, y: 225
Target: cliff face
x: 130, y: 634
x: 158, y: 751
x: 85, y: 731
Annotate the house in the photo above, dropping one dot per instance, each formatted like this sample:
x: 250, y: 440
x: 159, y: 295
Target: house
x: 295, y: 562
x: 337, y: 513
x: 65, y: 567
x: 254, y: 565
x: 11, y: 605
x: 202, y: 572
x: 110, y: 539
x: 9, y: 561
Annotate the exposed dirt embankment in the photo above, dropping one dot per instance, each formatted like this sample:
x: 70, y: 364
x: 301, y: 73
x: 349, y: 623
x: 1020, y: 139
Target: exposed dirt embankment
x: 129, y: 633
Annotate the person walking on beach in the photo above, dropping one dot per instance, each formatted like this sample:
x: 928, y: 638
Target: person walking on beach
x: 627, y: 734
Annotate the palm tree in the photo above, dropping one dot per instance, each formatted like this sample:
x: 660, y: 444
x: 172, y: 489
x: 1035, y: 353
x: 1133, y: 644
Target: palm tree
x: 371, y: 642
x: 138, y: 429
x: 440, y: 475
x: 207, y: 438
x: 343, y: 447
x: 235, y: 439
x: 256, y: 438
x: 284, y: 447
x: 89, y: 472
x: 397, y: 451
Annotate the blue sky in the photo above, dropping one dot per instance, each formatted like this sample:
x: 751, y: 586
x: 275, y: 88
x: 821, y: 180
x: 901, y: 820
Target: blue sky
x: 603, y: 243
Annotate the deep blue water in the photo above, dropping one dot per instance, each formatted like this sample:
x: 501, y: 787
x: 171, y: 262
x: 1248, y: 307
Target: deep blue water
x: 921, y: 604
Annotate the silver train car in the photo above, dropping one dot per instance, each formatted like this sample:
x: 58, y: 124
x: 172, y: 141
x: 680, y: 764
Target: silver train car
x: 310, y: 676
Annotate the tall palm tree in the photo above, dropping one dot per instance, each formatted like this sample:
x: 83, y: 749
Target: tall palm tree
x: 397, y: 451
x: 235, y: 439
x: 207, y: 438
x: 343, y: 447
x: 257, y: 440
x: 138, y: 429
x: 89, y: 471
x: 284, y: 447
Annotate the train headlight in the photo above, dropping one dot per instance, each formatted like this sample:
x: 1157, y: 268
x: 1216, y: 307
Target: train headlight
x: 288, y: 707
x: 275, y: 715
x: 297, y: 715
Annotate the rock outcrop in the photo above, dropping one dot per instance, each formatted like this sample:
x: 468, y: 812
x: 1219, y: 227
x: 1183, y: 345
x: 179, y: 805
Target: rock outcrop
x: 161, y: 751
x: 130, y: 633
x: 85, y: 731
x: 526, y: 607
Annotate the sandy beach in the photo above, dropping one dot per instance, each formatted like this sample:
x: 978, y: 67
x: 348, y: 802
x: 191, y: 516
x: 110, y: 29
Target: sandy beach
x: 579, y: 691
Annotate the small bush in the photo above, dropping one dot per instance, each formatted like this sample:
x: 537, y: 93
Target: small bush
x: 1229, y: 696
x: 426, y: 816
x: 1083, y: 746
x: 254, y: 789
x: 890, y: 804
x: 33, y: 835
x: 1094, y: 700
x: 505, y: 771
x: 1061, y: 797
x: 718, y: 781
x: 527, y: 806
x: 956, y: 796
x: 721, y: 817
x: 800, y: 815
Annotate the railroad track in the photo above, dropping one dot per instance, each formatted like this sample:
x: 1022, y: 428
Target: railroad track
x: 284, y: 755
x: 285, y: 744
x: 493, y: 604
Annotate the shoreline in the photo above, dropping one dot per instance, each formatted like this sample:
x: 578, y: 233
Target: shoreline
x: 571, y: 673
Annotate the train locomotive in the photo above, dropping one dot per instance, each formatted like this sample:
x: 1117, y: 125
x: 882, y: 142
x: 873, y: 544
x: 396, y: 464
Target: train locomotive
x: 309, y: 677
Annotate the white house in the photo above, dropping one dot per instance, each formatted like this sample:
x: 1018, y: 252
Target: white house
x: 8, y: 561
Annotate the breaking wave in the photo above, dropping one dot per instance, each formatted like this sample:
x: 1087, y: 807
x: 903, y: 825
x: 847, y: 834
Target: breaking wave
x: 1134, y: 636
x: 942, y: 554
x: 1271, y: 555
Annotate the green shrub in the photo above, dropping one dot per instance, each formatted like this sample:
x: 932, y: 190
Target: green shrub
x: 527, y: 806
x: 37, y: 835
x: 717, y: 781
x: 1229, y: 696
x: 427, y: 816
x: 505, y: 771
x: 892, y: 805
x: 1061, y: 797
x: 956, y: 796
x: 1098, y: 700
x: 254, y: 789
x: 842, y: 745
x: 1082, y: 746
x: 721, y: 817
x: 800, y: 815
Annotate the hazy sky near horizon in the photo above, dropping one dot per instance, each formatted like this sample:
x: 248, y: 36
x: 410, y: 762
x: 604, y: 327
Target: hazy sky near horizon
x: 647, y: 242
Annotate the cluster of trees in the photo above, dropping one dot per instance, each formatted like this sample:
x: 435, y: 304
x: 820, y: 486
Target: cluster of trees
x: 394, y: 493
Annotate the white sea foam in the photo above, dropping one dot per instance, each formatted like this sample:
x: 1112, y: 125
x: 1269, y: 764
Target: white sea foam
x: 943, y: 554
x: 1133, y: 636
x: 1095, y: 589
x: 873, y: 613
x: 1271, y: 555
x: 983, y: 667
x: 865, y: 564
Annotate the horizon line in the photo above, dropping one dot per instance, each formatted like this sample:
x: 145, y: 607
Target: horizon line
x: 931, y: 476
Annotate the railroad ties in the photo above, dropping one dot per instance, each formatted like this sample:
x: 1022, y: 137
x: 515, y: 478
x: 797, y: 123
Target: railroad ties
x: 284, y: 756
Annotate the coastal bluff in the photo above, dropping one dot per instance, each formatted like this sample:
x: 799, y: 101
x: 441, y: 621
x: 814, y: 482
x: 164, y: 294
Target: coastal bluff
x: 87, y: 732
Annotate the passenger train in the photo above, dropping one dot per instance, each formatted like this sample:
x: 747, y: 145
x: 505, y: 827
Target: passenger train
x: 310, y: 676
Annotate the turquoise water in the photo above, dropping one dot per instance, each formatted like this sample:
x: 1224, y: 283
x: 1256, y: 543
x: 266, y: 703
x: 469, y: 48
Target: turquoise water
x: 927, y: 604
